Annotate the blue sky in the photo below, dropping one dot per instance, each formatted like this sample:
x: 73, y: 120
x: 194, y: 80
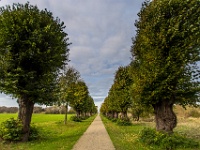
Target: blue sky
x: 100, y: 32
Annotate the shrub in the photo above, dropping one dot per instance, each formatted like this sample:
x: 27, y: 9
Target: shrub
x: 76, y: 119
x: 84, y: 117
x: 109, y: 117
x: 34, y: 133
x: 165, y: 141
x: 114, y: 119
x: 124, y: 122
x: 11, y: 130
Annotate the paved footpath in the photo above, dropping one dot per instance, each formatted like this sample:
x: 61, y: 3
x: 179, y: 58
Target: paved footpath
x: 95, y: 138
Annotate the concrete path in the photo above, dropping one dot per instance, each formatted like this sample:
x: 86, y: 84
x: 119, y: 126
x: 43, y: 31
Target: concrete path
x: 95, y: 138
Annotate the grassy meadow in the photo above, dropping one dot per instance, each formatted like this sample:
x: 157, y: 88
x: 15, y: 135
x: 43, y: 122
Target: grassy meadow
x: 57, y: 136
x: 54, y: 134
x: 126, y: 137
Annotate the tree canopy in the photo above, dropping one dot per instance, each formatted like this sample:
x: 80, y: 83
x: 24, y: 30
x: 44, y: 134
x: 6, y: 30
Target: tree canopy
x: 33, y: 49
x: 119, y: 98
x: 165, y: 57
x: 80, y: 95
x: 68, y: 78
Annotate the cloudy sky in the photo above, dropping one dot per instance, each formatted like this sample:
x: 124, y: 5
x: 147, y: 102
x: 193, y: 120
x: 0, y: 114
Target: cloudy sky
x: 100, y: 32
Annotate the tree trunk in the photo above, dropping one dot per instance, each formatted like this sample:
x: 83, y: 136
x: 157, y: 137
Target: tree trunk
x: 66, y: 112
x: 165, y: 117
x: 25, y: 113
x: 116, y: 115
x: 138, y: 113
x: 137, y: 117
x: 113, y: 114
x: 109, y: 115
x: 124, y: 115
x: 78, y: 113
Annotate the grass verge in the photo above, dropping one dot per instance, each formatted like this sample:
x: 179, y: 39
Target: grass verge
x: 54, y: 134
x: 126, y: 137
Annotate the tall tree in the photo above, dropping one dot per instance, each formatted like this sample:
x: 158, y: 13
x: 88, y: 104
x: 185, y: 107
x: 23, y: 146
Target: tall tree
x: 69, y: 77
x: 122, y: 83
x: 80, y: 95
x: 119, y: 98
x: 33, y: 48
x: 112, y: 103
x: 104, y: 107
x: 88, y: 106
x: 166, y: 51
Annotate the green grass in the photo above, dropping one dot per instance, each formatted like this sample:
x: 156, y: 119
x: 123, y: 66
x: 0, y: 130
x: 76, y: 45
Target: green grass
x: 4, y: 117
x: 126, y: 137
x: 54, y: 134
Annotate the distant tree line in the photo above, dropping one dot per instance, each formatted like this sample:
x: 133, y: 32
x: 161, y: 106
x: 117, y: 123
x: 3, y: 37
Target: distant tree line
x: 73, y: 92
x: 120, y: 99
x: 4, y: 109
x: 47, y: 110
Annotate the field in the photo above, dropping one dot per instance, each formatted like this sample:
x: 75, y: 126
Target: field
x: 126, y: 137
x: 57, y: 136
x: 54, y: 134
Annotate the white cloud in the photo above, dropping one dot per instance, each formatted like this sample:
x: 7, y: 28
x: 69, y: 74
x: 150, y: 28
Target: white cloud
x: 6, y: 100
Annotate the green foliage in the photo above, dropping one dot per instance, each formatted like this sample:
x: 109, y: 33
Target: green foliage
x: 80, y: 96
x: 11, y: 130
x: 33, y: 49
x: 119, y: 98
x: 166, y: 56
x: 84, y: 117
x: 120, y: 89
x: 138, y: 111
x: 79, y: 119
x: 121, y: 121
x: 114, y: 119
x: 166, y: 52
x: 165, y: 141
x: 76, y: 119
x: 124, y: 122
x: 69, y: 77
x: 34, y: 133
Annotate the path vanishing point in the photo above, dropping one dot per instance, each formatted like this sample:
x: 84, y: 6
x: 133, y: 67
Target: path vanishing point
x: 95, y: 138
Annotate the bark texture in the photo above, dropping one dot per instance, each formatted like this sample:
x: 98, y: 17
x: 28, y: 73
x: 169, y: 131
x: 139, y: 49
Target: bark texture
x: 165, y: 117
x: 25, y: 113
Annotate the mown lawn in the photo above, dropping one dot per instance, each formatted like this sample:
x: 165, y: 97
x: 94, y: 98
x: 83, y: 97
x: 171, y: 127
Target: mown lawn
x: 54, y: 134
x: 126, y: 137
